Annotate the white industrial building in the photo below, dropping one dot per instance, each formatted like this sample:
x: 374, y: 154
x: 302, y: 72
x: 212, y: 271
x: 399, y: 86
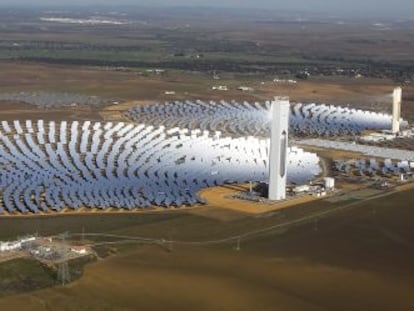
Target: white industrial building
x: 301, y: 189
x: 278, y: 148
x: 15, y: 245
x: 10, y: 246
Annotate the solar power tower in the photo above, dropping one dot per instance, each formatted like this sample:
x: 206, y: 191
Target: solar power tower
x: 396, y: 110
x: 278, y: 148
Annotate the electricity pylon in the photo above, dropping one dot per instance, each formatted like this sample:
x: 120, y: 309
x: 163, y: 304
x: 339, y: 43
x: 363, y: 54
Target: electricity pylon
x: 63, y: 273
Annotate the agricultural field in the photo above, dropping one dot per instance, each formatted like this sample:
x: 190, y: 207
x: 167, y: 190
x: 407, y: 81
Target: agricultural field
x: 148, y: 54
x: 347, y: 255
x: 205, y: 40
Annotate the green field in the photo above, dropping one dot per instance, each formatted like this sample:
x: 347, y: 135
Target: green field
x: 24, y: 275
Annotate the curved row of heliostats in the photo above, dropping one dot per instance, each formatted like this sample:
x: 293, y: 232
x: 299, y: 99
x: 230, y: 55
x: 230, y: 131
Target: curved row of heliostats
x: 373, y: 167
x: 244, y: 119
x: 51, y: 166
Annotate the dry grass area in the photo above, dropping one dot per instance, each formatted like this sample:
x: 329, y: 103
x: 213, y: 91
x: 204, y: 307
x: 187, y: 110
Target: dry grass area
x: 365, y: 94
x: 20, y: 111
x: 86, y: 211
x: 123, y: 86
x: 132, y: 89
x: 116, y: 112
x: 404, y: 187
x: 332, y: 153
x: 343, y: 262
x: 215, y: 280
x: 223, y: 197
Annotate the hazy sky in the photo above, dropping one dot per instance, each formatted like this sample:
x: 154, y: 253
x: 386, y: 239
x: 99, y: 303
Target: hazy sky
x: 371, y: 7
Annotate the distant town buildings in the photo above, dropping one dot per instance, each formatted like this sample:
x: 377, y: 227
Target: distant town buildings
x: 169, y: 93
x: 156, y: 71
x: 220, y: 88
x: 80, y: 250
x: 284, y: 81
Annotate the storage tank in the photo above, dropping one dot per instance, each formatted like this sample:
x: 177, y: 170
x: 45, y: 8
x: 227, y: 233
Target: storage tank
x: 329, y: 183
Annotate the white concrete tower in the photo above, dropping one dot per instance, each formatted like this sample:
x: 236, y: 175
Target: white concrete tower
x: 396, y: 110
x: 278, y: 148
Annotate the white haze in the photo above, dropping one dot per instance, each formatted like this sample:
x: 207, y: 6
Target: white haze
x: 403, y: 8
